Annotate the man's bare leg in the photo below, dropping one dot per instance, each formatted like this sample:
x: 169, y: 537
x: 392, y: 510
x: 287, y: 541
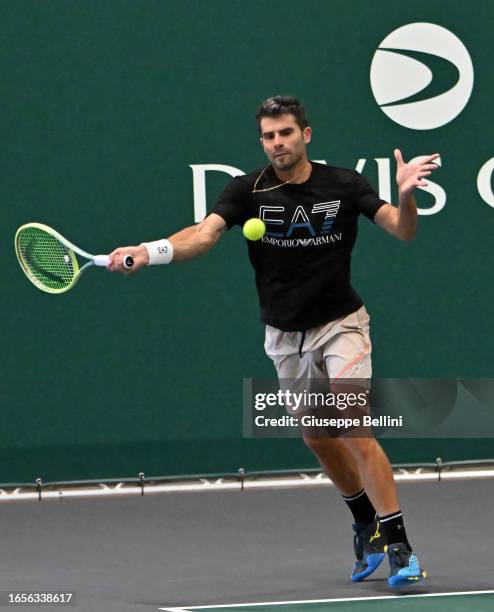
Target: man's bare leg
x: 337, y: 462
x: 376, y: 473
x: 354, y: 464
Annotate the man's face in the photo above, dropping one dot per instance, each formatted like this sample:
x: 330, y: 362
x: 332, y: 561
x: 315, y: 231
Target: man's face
x: 283, y: 141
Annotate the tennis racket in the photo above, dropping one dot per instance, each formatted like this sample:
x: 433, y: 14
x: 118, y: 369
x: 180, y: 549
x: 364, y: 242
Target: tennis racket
x: 49, y: 260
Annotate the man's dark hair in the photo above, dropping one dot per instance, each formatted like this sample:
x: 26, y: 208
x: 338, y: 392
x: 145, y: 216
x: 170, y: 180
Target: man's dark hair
x: 282, y: 105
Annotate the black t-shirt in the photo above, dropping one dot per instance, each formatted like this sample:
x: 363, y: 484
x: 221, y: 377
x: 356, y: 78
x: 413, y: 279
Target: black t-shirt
x: 302, y: 263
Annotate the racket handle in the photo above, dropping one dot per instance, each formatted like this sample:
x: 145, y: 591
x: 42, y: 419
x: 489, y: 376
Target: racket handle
x: 102, y: 261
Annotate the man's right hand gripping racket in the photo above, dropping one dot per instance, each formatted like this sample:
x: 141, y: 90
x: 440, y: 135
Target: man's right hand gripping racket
x: 49, y: 260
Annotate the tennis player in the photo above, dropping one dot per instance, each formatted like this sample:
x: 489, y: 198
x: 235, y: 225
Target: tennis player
x: 316, y: 324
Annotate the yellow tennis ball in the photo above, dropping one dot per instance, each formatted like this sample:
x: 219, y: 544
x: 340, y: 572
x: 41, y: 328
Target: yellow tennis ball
x: 254, y: 229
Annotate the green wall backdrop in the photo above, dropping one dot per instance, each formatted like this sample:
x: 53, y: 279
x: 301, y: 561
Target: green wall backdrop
x: 105, y: 106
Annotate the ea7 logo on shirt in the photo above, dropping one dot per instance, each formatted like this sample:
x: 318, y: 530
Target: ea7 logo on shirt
x: 331, y: 210
x: 278, y: 226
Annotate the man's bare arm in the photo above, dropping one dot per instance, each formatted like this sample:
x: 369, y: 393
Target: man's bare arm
x: 197, y: 239
x: 400, y: 221
x: 187, y: 243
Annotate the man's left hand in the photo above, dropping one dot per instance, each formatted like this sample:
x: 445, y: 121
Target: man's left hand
x: 411, y: 175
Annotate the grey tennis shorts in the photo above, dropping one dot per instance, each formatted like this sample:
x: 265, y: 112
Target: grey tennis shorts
x: 337, y: 350
x: 333, y: 358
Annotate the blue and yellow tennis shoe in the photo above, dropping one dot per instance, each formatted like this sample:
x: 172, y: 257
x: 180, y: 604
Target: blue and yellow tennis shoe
x: 404, y: 567
x: 369, y: 546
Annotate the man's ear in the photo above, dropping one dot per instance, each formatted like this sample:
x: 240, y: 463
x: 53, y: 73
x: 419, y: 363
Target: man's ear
x: 307, y: 134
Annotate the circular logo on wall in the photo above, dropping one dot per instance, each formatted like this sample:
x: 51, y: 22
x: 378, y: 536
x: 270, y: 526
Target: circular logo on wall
x: 421, y: 76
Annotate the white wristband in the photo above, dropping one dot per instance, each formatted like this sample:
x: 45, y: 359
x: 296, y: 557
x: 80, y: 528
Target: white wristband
x: 159, y: 251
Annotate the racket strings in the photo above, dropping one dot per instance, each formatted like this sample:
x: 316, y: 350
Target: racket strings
x: 47, y: 262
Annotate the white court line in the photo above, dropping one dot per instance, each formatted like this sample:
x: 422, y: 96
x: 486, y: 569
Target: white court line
x: 313, y: 601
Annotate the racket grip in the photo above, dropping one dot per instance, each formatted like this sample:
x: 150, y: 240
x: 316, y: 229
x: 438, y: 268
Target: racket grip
x: 102, y: 261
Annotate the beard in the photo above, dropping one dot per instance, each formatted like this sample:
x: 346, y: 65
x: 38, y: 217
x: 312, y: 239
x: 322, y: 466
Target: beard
x: 290, y: 162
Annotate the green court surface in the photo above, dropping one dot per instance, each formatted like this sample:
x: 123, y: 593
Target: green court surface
x: 436, y: 602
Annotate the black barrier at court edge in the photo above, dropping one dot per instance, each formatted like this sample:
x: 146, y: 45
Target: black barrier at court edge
x: 381, y: 407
